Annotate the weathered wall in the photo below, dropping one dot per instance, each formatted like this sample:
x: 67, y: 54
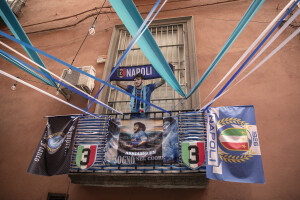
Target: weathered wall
x: 273, y: 90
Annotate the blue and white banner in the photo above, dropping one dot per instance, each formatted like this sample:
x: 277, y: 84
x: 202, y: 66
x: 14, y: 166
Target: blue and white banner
x: 142, y: 141
x: 233, y: 150
x: 127, y: 73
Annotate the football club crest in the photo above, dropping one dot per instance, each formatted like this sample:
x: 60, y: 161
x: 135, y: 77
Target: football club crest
x: 235, y: 140
x: 121, y: 73
x: 193, y: 153
x: 55, y: 141
x: 86, y: 156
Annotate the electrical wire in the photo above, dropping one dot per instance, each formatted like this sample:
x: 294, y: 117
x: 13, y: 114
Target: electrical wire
x: 88, y: 32
x: 112, y: 12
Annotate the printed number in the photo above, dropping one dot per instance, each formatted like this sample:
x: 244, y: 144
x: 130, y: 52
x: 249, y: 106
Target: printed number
x: 194, y: 155
x: 86, y: 156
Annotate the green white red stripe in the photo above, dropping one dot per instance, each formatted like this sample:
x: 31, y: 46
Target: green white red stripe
x: 235, y: 139
x: 193, y: 153
x: 86, y: 156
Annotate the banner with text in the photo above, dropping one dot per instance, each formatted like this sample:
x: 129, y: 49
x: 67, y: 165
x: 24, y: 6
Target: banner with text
x: 127, y: 73
x: 233, y: 150
x: 53, y: 154
x: 142, y: 141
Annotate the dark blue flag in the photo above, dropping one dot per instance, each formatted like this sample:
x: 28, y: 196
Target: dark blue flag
x: 233, y: 150
x: 128, y: 73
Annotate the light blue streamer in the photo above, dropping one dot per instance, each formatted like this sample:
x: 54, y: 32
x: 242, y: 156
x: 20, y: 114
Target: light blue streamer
x: 256, y: 4
x: 25, y: 69
x: 132, y: 43
x: 53, y: 79
x: 13, y: 24
x: 76, y: 69
x: 132, y: 19
x: 252, y: 54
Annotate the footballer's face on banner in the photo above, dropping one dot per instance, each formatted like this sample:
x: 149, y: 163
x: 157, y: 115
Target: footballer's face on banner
x: 138, y: 81
x: 136, y: 128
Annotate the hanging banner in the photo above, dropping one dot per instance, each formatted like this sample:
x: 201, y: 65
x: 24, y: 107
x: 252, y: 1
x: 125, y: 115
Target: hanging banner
x: 170, y: 140
x: 233, y: 151
x: 128, y: 73
x: 53, y: 154
x: 141, y: 141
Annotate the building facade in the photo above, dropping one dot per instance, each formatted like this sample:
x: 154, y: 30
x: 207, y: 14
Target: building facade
x: 190, y: 34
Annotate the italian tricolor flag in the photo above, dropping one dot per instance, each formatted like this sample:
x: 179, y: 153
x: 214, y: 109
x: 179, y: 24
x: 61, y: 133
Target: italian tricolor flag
x: 235, y: 139
x: 86, y: 156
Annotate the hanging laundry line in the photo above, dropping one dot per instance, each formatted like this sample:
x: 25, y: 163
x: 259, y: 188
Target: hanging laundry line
x: 78, y: 70
x: 253, y: 53
x: 252, y: 46
x: 132, y: 20
x: 139, y: 33
x: 73, y: 88
x: 46, y: 93
x: 296, y: 32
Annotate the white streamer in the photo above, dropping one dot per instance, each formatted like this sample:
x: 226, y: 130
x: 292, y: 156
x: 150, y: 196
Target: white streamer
x: 59, y: 78
x: 273, y: 38
x: 259, y: 65
x: 252, y: 45
x: 43, y: 92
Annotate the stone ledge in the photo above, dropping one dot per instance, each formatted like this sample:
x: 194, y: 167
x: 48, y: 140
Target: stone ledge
x: 187, y: 180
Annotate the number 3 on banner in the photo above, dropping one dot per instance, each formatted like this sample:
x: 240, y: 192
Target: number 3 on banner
x: 85, y: 156
x: 193, y: 153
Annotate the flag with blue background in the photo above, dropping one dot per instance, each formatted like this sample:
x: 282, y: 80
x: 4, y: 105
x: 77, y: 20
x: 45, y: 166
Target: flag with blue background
x: 233, y: 149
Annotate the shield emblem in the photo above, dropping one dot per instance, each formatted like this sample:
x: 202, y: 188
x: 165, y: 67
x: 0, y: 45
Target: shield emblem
x: 121, y: 73
x: 193, y: 153
x: 235, y: 139
x: 86, y: 156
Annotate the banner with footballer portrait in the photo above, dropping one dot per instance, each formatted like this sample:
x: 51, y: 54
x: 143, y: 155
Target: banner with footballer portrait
x: 233, y: 149
x: 141, y: 141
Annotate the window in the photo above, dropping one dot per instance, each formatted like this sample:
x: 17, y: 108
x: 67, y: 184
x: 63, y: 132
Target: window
x: 175, y: 37
x: 57, y: 196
